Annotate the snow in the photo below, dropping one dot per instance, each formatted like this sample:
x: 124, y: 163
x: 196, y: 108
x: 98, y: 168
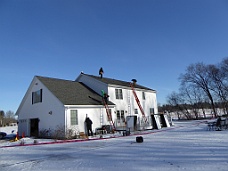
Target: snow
x: 185, y: 146
x: 9, y: 129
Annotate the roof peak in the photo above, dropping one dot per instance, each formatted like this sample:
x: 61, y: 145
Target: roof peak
x: 45, y: 77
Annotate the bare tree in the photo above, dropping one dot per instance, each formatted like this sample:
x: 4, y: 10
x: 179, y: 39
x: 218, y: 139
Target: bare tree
x: 2, y: 114
x: 7, y: 118
x: 178, y: 106
x: 224, y: 72
x: 197, y: 75
x: 173, y: 100
x: 190, y: 96
x: 10, y: 114
x: 224, y: 66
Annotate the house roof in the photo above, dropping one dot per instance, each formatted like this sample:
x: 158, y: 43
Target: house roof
x: 118, y: 82
x: 72, y: 92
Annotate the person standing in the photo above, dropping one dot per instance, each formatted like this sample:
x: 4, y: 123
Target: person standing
x: 89, y: 126
x: 101, y: 72
x: 218, y: 123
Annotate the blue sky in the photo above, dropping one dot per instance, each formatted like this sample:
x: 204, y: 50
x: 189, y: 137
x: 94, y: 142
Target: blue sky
x: 150, y: 40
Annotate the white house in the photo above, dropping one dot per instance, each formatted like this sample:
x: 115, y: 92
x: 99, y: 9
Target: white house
x: 50, y: 104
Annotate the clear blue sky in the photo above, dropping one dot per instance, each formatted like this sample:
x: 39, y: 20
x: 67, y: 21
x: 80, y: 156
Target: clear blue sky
x: 150, y: 40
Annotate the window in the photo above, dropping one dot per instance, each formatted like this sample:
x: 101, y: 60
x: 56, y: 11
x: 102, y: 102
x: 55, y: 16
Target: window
x: 119, y: 94
x: 143, y: 95
x: 151, y: 111
x: 22, y: 120
x: 136, y: 111
x: 37, y: 96
x: 74, y: 117
x: 120, y: 115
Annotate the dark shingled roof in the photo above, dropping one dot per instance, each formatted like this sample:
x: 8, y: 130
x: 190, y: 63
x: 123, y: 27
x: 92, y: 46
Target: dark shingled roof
x: 118, y: 82
x: 72, y: 92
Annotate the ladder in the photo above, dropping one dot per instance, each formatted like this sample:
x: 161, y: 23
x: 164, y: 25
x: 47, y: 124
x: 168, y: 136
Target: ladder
x: 129, y: 102
x: 138, y: 102
x: 109, y: 115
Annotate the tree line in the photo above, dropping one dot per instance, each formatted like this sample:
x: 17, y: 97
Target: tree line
x: 202, y: 86
x: 6, y: 118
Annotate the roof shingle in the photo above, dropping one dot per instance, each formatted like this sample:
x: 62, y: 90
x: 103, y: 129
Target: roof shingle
x: 72, y: 92
x: 117, y: 82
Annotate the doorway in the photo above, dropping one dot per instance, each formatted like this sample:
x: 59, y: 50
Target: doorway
x: 34, y: 127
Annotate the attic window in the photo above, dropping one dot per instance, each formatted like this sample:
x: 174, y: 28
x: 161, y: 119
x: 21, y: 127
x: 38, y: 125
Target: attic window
x: 37, y: 96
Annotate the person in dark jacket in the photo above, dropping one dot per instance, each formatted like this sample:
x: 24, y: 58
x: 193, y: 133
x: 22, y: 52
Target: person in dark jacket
x: 106, y: 96
x: 89, y: 126
x: 218, y: 123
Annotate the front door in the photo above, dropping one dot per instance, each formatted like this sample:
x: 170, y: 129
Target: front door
x: 120, y: 118
x: 34, y: 127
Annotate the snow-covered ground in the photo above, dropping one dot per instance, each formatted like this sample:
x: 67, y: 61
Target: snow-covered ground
x: 186, y: 146
x: 9, y: 129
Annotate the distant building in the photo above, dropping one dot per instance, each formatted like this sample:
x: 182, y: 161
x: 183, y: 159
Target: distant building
x: 51, y: 103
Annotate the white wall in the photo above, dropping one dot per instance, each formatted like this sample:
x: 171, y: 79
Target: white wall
x: 122, y: 104
x: 149, y: 102
x: 49, y: 104
x: 97, y: 114
x: 51, y: 112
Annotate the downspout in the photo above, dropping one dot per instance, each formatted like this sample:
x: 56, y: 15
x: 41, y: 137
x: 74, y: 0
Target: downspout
x: 66, y: 109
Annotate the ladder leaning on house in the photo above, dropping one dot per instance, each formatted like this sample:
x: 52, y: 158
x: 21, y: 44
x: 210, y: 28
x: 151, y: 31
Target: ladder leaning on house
x: 108, y: 114
x: 137, y: 100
